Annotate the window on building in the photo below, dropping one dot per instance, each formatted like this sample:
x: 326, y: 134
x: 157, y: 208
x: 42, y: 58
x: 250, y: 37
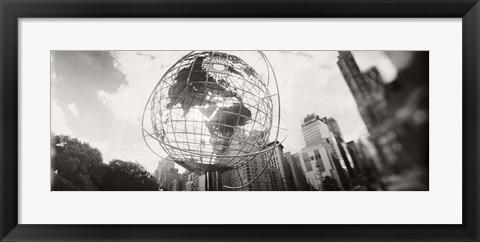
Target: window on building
x: 319, y: 165
x: 306, y: 161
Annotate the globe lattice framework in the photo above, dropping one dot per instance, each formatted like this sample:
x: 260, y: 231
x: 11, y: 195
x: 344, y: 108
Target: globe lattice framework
x: 211, y: 111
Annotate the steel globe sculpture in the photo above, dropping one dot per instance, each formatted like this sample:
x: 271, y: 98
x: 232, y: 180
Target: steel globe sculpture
x: 212, y: 111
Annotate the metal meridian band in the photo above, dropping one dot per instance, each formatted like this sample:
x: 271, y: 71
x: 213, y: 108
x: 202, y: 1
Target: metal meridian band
x: 212, y: 155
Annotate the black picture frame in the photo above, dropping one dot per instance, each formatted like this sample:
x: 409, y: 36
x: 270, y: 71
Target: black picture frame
x: 12, y: 10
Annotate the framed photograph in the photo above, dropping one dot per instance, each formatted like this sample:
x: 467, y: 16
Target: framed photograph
x: 263, y: 121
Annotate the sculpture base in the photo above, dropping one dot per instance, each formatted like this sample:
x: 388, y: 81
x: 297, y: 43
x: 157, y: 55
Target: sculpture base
x: 213, y: 181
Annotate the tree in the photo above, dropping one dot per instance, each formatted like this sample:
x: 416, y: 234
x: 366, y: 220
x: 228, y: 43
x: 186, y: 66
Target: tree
x: 62, y: 184
x: 73, y: 162
x: 128, y: 176
x: 76, y: 166
x: 329, y: 184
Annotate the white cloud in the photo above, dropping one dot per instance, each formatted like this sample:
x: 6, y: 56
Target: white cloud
x: 54, y: 78
x: 368, y: 59
x: 73, y: 109
x: 142, y: 71
x: 59, y: 122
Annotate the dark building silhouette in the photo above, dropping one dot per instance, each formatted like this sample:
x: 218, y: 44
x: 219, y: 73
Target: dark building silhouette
x: 368, y: 88
x: 297, y: 172
x: 396, y: 116
x: 352, y: 150
x: 165, y: 174
x: 334, y: 128
x: 184, y: 179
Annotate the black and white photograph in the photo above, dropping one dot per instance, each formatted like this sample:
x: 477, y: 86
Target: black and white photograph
x: 231, y: 120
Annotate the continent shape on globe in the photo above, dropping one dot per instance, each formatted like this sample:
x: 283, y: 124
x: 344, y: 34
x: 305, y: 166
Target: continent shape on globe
x: 215, y: 98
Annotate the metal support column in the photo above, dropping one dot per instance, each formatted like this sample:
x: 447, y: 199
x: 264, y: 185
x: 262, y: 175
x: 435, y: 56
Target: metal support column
x: 213, y: 181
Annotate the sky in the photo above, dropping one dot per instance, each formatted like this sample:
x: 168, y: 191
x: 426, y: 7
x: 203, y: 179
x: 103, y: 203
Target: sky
x: 99, y: 96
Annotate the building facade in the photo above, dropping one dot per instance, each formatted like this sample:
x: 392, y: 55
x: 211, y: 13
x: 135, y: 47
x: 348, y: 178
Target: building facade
x: 297, y: 171
x: 316, y: 164
x: 165, y: 173
x: 195, y: 182
x: 347, y: 163
x: 183, y: 180
x: 276, y: 176
x: 334, y: 128
x: 246, y: 173
x: 282, y: 177
x: 318, y: 136
x: 316, y: 132
x: 367, y: 88
x: 176, y: 185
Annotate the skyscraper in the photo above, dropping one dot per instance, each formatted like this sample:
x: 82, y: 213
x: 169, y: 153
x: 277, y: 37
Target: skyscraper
x: 166, y: 173
x: 195, y: 182
x: 368, y: 88
x: 248, y: 172
x: 317, y: 134
x: 277, y: 176
x: 342, y: 146
x: 190, y: 184
x: 298, y: 174
x: 334, y: 128
x: 183, y: 180
x: 352, y: 150
x: 282, y: 177
x: 315, y: 131
x: 317, y: 163
x: 176, y: 185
